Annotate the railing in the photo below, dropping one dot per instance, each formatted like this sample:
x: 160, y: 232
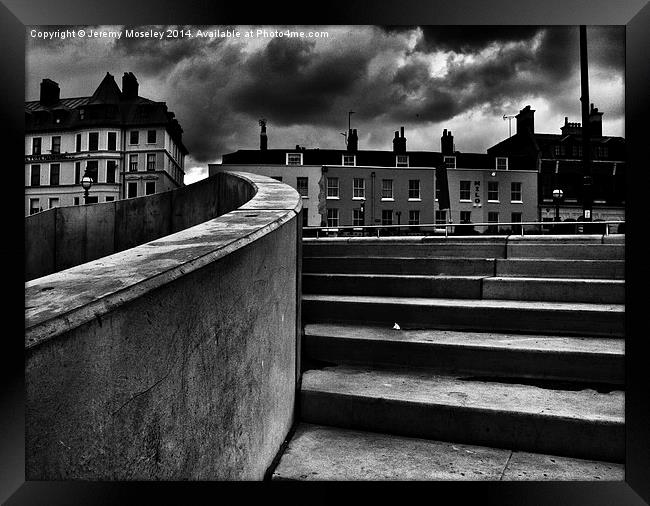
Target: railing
x: 467, y: 229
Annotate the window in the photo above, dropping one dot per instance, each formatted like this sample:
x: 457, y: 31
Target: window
x: 77, y: 172
x: 53, y: 202
x: 437, y: 192
x: 402, y: 161
x: 92, y: 167
x: 516, y: 218
x: 465, y: 191
x: 150, y: 188
x: 305, y: 217
x: 466, y: 216
x: 133, y: 163
x: 111, y: 141
x: 110, y: 199
x: 134, y: 137
x: 493, y: 191
x: 151, y: 162
x: 357, y: 217
x: 55, y: 171
x: 82, y: 113
x: 450, y: 162
x: 111, y: 169
x: 36, y: 146
x: 515, y: 192
x: 93, y: 141
x: 56, y: 144
x: 493, y: 217
x: 131, y: 189
x: 294, y: 158
x: 358, y: 188
x: 36, y: 175
x: 332, y: 217
x: 349, y: 160
x: 75, y: 201
x: 91, y: 199
x: 414, y: 189
x: 332, y: 188
x: 78, y: 142
x: 302, y: 186
x: 557, y: 150
x: 34, y: 206
x: 441, y: 217
x: 151, y: 136
x: 502, y: 163
x: 386, y: 216
x: 414, y: 217
x: 386, y: 189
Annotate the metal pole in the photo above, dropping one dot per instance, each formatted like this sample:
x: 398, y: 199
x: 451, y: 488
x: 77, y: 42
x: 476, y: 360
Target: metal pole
x: 586, y: 151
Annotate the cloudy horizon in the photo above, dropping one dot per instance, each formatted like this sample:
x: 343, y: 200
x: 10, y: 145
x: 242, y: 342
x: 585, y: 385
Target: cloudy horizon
x: 426, y: 79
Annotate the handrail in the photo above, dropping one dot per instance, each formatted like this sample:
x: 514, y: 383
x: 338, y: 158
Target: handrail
x: 447, y: 226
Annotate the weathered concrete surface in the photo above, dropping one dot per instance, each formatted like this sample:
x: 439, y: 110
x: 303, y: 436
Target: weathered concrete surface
x: 582, y: 424
x: 557, y: 318
x: 401, y: 265
x: 600, y: 291
x: 593, y: 360
x: 404, y: 285
x: 558, y: 268
x: 173, y: 360
x: 327, y: 453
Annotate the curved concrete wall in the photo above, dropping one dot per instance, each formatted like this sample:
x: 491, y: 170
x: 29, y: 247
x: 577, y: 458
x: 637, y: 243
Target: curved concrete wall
x: 173, y: 360
x: 63, y: 237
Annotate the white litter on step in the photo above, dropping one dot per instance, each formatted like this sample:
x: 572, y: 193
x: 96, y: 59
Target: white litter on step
x: 396, y: 327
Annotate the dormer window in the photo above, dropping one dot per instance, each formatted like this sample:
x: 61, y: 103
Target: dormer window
x: 450, y: 162
x: 502, y: 163
x: 350, y: 160
x: 401, y: 161
x: 82, y: 113
x: 294, y: 159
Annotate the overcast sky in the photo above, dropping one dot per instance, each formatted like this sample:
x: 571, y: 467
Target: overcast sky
x: 426, y: 79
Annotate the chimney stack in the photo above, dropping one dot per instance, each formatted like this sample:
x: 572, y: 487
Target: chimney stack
x: 399, y: 142
x: 49, y: 92
x: 526, y: 120
x: 353, y: 141
x: 129, y: 86
x: 447, y: 143
x: 263, y: 138
x: 595, y: 122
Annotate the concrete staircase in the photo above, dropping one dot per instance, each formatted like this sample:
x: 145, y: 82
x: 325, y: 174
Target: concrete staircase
x: 508, y: 364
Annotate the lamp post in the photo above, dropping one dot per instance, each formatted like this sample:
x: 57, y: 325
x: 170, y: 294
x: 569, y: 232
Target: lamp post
x: 86, y: 184
x: 557, y: 197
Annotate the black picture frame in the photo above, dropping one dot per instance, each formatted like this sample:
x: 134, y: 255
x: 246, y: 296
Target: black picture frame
x: 634, y: 14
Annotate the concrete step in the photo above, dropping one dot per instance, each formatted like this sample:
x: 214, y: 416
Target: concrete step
x: 460, y: 287
x: 585, y: 269
x: 421, y: 248
x: 566, y: 251
x: 601, y: 291
x: 318, y: 452
x: 467, y: 287
x: 584, y: 359
x: 400, y: 265
x: 580, y: 424
x: 561, y: 318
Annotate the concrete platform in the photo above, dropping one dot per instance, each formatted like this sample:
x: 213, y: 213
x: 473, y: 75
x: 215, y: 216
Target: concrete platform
x: 600, y: 291
x: 581, y: 424
x: 403, y: 285
x: 561, y: 268
x: 328, y: 453
x: 586, y: 359
x: 400, y: 265
x: 555, y: 318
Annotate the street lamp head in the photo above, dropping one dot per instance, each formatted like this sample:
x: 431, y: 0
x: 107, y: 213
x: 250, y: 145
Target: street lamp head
x: 86, y: 182
x: 557, y: 194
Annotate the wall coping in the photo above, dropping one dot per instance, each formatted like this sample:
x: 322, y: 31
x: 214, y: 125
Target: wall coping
x: 64, y: 300
x: 417, y: 239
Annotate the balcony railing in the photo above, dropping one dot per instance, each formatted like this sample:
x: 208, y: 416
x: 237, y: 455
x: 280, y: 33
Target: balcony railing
x: 469, y: 229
